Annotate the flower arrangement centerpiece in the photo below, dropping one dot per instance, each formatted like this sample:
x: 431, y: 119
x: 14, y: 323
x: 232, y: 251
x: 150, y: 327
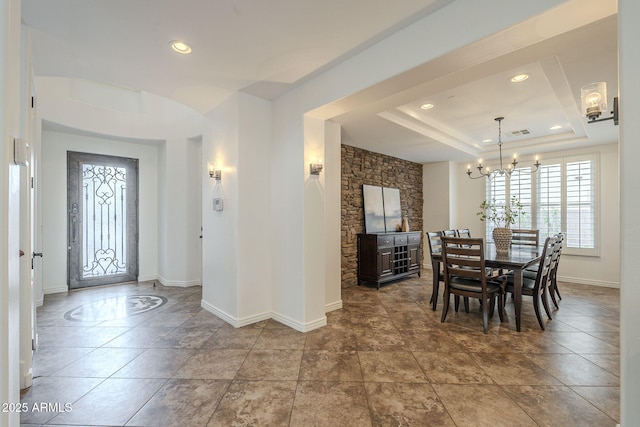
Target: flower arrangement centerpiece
x: 502, y: 217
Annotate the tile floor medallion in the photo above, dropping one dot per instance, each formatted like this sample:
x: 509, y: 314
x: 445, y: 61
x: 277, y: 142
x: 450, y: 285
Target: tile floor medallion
x: 115, y: 308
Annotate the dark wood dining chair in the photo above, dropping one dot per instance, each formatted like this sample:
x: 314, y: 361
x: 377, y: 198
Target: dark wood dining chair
x: 536, y: 284
x: 464, y: 275
x: 449, y: 233
x: 553, y: 282
x: 525, y: 237
x: 464, y: 232
x: 435, y: 247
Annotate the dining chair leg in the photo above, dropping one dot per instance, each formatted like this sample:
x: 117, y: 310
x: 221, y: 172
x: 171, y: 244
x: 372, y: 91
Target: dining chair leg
x: 485, y: 318
x: 434, y: 295
x: 501, y: 306
x: 466, y: 304
x: 545, y: 302
x: 555, y: 287
x: 536, y: 308
x: 492, y: 303
x: 445, y: 306
x: 456, y: 302
x: 552, y: 294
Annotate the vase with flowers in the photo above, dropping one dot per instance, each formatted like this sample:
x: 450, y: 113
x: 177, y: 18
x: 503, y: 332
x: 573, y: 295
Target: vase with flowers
x: 502, y: 216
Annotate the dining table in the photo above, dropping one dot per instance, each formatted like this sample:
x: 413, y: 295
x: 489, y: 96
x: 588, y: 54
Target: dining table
x: 517, y: 259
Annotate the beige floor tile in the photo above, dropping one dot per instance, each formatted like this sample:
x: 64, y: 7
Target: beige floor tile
x: 335, y: 375
x: 331, y: 337
x: 558, y: 406
x: 283, y: 365
x: 582, y: 342
x: 184, y: 338
x: 430, y: 340
x: 112, y: 402
x: 181, y: 402
x: 378, y: 339
x: 229, y: 337
x: 394, y: 404
x: 212, y: 364
x: 280, y: 339
x: 255, y: 403
x: 325, y: 365
x: 53, y: 390
x: 608, y: 362
x: 513, y: 369
x: 481, y: 406
x: 319, y: 404
x: 573, y: 369
x: 390, y: 366
x: 155, y: 363
x: 607, y: 399
x: 101, y: 362
x: 451, y: 368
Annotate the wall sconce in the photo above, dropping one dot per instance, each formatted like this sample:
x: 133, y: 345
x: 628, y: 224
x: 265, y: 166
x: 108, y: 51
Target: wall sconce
x: 215, y: 173
x: 315, y: 168
x: 594, y: 102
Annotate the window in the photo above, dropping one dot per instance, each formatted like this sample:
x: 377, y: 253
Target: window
x: 561, y: 196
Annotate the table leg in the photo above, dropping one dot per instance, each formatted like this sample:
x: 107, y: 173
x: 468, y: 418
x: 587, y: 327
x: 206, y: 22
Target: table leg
x: 517, y: 295
x: 435, y: 268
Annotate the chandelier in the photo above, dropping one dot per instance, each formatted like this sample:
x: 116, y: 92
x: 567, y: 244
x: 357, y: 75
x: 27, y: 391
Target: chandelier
x: 502, y: 171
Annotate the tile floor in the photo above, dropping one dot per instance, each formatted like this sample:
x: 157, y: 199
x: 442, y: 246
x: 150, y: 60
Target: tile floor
x: 384, y: 359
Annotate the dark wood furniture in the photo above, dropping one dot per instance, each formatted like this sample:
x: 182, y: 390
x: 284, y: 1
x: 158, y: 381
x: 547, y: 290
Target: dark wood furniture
x: 517, y: 259
x: 536, y: 284
x: 525, y: 237
x: 465, y: 275
x: 383, y: 257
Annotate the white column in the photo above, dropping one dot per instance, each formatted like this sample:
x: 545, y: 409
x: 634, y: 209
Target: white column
x: 629, y: 69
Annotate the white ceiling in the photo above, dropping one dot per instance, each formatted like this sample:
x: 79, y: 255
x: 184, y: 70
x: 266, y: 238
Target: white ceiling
x: 266, y: 47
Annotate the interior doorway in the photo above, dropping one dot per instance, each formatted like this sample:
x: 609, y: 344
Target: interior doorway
x: 102, y: 206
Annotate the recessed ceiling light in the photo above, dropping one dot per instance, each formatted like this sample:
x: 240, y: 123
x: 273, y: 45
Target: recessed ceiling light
x: 556, y: 127
x: 426, y: 106
x: 180, y: 47
x: 519, y: 78
x: 487, y: 140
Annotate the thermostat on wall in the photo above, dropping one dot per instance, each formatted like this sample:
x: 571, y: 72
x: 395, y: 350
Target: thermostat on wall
x: 21, y: 152
x: 217, y: 204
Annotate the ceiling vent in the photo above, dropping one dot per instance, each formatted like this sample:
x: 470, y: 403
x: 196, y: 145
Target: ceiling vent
x: 520, y: 132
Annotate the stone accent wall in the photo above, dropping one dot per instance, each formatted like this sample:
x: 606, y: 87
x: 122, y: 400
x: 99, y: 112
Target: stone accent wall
x: 365, y: 167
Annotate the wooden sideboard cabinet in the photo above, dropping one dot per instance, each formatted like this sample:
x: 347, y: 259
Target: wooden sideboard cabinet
x: 383, y: 257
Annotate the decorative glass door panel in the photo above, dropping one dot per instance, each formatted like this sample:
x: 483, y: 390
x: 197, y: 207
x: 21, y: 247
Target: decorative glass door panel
x: 103, y: 219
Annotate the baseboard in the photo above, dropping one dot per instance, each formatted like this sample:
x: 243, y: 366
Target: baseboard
x: 55, y: 290
x: 27, y: 377
x: 337, y: 305
x: 232, y: 320
x: 178, y: 283
x: 298, y: 326
x: 249, y: 320
x: 581, y: 281
x: 149, y: 278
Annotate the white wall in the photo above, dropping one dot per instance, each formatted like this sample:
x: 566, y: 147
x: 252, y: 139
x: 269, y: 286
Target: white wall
x: 603, y: 270
x: 180, y: 212
x: 10, y: 121
x: 237, y: 250
x: 629, y: 34
x: 333, y: 224
x: 435, y: 191
x: 54, y: 198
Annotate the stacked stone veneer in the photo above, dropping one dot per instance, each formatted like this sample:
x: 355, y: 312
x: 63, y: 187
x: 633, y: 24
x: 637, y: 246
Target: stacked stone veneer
x: 366, y: 167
